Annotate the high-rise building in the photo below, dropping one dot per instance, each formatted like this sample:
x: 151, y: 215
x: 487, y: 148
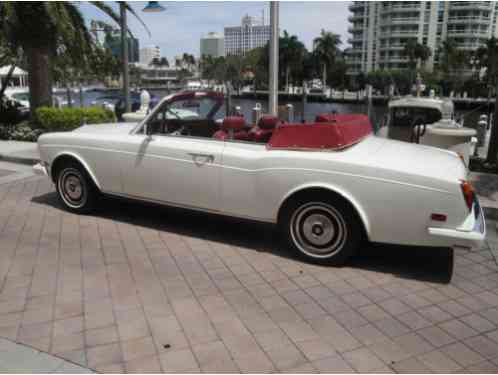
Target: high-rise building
x: 113, y: 43
x: 380, y: 30
x: 252, y: 33
x: 149, y: 53
x: 213, y: 44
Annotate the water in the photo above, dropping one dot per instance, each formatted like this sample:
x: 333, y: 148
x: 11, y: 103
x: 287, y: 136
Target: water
x: 310, y: 111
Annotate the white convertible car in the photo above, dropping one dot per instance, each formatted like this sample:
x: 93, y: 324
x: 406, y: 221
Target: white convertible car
x: 328, y: 185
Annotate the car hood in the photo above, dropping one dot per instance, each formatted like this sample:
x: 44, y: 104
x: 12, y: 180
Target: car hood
x: 409, y: 159
x: 113, y: 128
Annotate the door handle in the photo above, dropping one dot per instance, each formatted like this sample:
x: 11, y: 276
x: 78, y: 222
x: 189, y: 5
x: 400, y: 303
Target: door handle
x: 208, y: 157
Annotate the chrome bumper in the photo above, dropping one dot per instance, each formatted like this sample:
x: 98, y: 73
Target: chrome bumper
x: 471, y: 234
x: 40, y: 169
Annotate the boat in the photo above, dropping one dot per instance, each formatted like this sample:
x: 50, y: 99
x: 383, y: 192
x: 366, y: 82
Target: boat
x: 428, y: 121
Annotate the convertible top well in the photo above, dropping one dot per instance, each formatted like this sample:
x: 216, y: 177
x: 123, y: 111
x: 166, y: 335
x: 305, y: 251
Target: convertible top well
x: 329, y: 132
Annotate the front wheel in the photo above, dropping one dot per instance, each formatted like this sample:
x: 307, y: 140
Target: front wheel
x: 323, y: 230
x: 76, y: 189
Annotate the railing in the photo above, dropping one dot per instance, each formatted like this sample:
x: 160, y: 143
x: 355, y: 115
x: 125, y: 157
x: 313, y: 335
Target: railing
x: 471, y: 5
x: 401, y: 7
x: 357, y: 5
x: 400, y: 20
x: 468, y: 19
x: 393, y: 33
x: 482, y: 33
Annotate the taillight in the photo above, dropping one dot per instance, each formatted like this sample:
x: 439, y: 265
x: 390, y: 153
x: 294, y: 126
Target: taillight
x: 468, y: 193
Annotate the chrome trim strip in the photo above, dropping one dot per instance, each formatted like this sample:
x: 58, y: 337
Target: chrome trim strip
x: 188, y: 207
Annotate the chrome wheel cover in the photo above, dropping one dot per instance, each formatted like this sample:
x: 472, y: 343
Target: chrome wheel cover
x: 318, y: 230
x: 72, y: 188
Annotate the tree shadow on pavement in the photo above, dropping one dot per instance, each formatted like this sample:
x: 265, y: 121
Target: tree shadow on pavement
x: 433, y: 265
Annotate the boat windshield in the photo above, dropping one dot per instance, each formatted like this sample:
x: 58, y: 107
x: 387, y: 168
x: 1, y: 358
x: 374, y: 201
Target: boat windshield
x: 409, y: 116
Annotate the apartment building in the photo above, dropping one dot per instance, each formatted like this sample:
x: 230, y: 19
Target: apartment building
x: 379, y: 30
x: 212, y: 44
x: 250, y: 34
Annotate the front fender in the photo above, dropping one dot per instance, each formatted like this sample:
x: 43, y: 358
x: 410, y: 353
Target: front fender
x: 335, y: 189
x: 81, y: 160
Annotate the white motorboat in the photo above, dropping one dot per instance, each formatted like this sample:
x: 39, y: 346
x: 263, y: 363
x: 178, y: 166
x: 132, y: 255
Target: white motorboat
x: 428, y: 121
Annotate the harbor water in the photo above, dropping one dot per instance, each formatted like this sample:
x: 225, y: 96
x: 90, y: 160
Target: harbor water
x: 310, y: 110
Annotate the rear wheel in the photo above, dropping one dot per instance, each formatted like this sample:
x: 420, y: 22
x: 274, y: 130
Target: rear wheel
x: 75, y: 188
x: 321, y: 228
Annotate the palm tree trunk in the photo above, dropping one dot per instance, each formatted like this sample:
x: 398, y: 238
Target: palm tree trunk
x: 287, y: 79
x: 324, y: 76
x: 7, y: 80
x: 40, y: 76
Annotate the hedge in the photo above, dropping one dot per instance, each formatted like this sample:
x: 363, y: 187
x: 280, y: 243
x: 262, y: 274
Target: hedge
x: 65, y: 119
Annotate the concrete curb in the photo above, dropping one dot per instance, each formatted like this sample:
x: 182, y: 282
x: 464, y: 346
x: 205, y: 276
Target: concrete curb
x: 19, y: 159
x: 490, y: 213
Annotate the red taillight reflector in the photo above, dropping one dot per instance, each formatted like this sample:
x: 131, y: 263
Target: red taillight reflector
x: 468, y: 193
x: 438, y: 217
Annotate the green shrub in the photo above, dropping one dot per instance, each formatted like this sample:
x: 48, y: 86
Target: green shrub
x: 20, y: 132
x: 65, y: 119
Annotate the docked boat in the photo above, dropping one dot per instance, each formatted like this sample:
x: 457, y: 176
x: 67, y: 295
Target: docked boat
x: 428, y: 121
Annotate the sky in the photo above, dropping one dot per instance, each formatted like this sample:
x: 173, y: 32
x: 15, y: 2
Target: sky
x: 180, y: 27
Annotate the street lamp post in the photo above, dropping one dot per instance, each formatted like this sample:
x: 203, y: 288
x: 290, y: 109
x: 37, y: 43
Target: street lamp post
x: 151, y: 7
x: 273, y: 84
x: 124, y: 55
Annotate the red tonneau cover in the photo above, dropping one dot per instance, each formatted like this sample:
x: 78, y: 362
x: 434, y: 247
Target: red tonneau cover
x: 338, y: 132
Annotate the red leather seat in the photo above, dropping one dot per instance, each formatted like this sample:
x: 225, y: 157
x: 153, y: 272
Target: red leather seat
x: 263, y: 131
x: 233, y: 127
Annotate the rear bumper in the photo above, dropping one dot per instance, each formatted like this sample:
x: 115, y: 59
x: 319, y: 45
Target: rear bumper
x: 471, y: 234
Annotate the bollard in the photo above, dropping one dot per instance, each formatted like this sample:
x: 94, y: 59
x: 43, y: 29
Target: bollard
x: 290, y: 112
x: 482, y: 124
x: 256, y: 113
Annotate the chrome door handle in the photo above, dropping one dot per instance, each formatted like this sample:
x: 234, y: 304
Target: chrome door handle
x: 208, y: 157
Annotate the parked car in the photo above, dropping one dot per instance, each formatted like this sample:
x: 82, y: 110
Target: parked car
x: 328, y: 185
x: 119, y: 106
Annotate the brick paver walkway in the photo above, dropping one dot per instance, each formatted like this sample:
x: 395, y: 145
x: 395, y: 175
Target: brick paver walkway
x: 141, y: 288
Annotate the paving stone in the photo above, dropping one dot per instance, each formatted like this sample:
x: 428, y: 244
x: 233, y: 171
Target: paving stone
x: 461, y: 354
x: 179, y: 361
x: 363, y: 360
x: 334, y: 364
x: 438, y: 361
x: 286, y: 357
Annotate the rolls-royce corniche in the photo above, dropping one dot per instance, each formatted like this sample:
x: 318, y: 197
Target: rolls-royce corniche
x: 328, y: 185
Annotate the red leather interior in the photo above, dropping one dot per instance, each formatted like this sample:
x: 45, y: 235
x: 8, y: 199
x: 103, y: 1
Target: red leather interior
x: 233, y: 127
x: 263, y: 131
x: 345, y: 131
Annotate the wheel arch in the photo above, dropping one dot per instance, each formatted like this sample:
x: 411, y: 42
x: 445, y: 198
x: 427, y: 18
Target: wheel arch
x: 310, y: 188
x: 65, y: 156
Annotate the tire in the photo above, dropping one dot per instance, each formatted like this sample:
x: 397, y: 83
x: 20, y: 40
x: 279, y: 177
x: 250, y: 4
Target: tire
x: 75, y: 188
x: 321, y: 228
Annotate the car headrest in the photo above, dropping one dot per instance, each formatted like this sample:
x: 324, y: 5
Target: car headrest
x: 268, y: 122
x: 233, y: 123
x: 325, y: 117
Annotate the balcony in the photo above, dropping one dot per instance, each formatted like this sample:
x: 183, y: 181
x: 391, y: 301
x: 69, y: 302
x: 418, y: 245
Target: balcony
x: 402, y: 7
x: 471, y: 33
x: 392, y: 47
x: 469, y: 19
x: 401, y: 21
x: 393, y: 59
x: 356, y: 17
x: 471, y: 5
x: 398, y: 34
x: 355, y: 40
x: 357, y: 5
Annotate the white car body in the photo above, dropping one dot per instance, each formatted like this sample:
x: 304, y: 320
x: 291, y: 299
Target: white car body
x: 394, y: 186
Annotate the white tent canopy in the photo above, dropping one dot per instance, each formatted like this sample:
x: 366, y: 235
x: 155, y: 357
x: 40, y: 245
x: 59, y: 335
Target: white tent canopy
x: 19, y: 76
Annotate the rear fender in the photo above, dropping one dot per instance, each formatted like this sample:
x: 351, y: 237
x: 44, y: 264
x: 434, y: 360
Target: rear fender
x: 334, y: 189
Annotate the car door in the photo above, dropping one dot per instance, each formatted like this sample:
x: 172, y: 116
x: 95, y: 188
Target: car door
x: 178, y: 170
x: 244, y: 178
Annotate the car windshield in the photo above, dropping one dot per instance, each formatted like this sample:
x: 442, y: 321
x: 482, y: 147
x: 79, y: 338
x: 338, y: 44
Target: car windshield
x: 407, y: 116
x: 21, y: 96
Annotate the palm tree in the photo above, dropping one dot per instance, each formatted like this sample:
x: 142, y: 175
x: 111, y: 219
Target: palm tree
x: 325, y: 48
x: 415, y: 52
x: 487, y: 56
x: 45, y: 30
x: 291, y: 54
